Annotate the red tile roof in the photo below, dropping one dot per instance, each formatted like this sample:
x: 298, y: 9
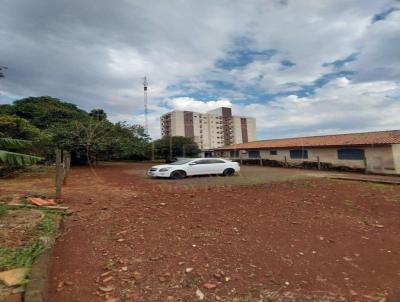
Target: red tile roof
x: 351, y: 139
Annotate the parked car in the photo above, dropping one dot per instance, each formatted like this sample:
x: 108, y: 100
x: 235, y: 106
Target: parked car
x: 195, y: 166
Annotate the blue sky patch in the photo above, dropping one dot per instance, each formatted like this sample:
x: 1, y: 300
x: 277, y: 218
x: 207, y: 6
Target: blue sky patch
x: 287, y: 63
x: 341, y: 62
x: 242, y: 53
x: 383, y: 15
x: 239, y: 58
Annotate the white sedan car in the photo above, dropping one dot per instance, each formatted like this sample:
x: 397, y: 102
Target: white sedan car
x: 195, y: 166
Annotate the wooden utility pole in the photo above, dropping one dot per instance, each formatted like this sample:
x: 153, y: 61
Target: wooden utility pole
x: 66, y: 165
x: 59, y: 174
x: 63, y: 164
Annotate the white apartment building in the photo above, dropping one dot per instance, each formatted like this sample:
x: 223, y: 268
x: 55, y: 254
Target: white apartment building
x: 214, y: 129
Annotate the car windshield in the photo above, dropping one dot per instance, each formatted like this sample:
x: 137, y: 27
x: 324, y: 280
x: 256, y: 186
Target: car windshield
x: 181, y: 161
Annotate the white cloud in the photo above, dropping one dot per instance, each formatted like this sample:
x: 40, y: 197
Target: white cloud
x: 340, y: 106
x: 185, y: 103
x: 97, y: 58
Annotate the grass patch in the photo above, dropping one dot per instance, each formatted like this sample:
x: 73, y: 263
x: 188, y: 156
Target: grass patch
x: 381, y: 186
x: 48, y: 224
x: 24, y: 256
x: 3, y: 210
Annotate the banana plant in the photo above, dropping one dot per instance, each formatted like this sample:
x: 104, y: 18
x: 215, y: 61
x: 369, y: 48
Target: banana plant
x: 16, y: 159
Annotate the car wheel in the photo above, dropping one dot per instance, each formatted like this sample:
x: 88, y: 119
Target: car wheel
x: 178, y: 174
x: 229, y: 172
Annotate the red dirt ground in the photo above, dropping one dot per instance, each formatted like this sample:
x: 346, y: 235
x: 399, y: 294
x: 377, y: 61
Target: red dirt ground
x: 132, y: 239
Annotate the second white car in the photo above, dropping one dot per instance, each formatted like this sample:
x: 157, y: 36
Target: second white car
x: 195, y: 166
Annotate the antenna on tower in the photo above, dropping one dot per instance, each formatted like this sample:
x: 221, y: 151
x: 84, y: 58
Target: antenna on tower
x: 146, y: 121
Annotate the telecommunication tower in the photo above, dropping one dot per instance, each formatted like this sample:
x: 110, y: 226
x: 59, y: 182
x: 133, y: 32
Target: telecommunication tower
x: 146, y: 121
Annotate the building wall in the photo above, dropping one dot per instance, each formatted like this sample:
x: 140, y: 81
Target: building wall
x: 237, y: 130
x: 251, y: 129
x: 177, y: 123
x: 214, y: 129
x: 396, y: 157
x: 379, y: 159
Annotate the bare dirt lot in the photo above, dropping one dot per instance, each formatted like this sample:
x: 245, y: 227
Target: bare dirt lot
x: 225, y: 239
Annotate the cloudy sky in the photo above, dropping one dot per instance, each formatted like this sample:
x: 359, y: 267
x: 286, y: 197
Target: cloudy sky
x: 299, y: 67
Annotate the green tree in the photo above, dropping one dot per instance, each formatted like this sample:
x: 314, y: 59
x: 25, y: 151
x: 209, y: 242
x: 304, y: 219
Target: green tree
x: 82, y: 138
x: 128, y: 142
x: 19, y: 128
x: 98, y: 114
x: 95, y: 139
x: 170, y: 147
x: 5, y: 109
x: 43, y: 111
x: 88, y: 136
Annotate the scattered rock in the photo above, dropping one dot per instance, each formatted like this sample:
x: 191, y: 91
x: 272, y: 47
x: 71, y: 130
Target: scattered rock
x: 13, y: 277
x: 121, y: 240
x: 105, y: 274
x: 219, y: 274
x: 111, y: 300
x: 108, y: 279
x: 124, y: 268
x: 156, y: 258
x: 379, y: 225
x: 189, y: 269
x: 209, y: 285
x: 137, y: 276
x: 199, y: 294
x: 106, y: 289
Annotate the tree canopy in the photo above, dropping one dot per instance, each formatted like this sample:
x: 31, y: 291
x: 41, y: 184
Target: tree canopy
x: 43, y: 111
x: 170, y: 147
x: 50, y: 123
x: 58, y: 124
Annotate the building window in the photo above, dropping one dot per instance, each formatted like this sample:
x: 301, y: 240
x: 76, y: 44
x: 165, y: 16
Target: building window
x: 273, y: 152
x: 234, y: 153
x: 254, y: 154
x: 351, y: 154
x: 299, y: 154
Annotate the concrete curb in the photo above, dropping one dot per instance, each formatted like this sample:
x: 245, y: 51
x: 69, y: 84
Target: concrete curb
x: 37, y: 288
x: 38, y: 285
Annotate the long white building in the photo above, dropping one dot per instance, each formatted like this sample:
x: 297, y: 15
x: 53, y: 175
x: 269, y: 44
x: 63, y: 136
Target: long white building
x: 214, y: 129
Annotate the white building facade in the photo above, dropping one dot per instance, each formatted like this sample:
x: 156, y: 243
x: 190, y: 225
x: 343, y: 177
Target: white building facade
x: 214, y: 129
